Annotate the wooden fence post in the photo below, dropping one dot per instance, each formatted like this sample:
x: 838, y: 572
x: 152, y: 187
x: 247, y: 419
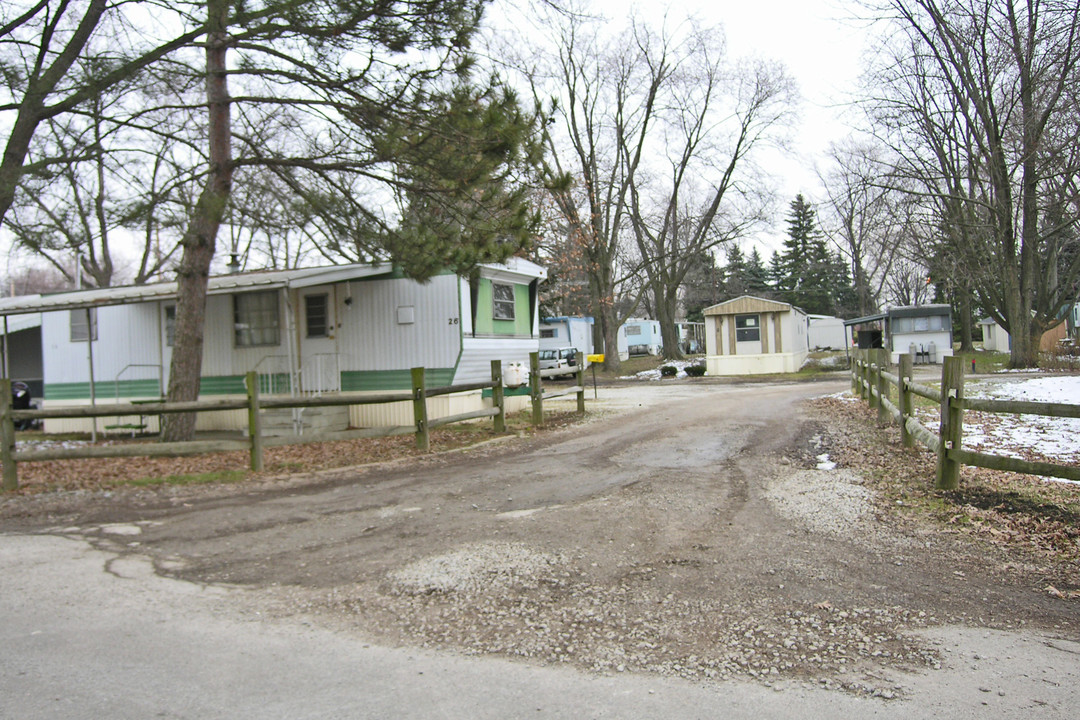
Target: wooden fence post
x: 906, y: 400
x: 952, y: 422
x: 251, y: 380
x: 871, y: 377
x: 419, y: 393
x: 864, y: 375
x: 7, y: 437
x: 856, y: 390
x: 535, y: 389
x: 498, y: 395
x: 882, y: 385
x: 579, y: 378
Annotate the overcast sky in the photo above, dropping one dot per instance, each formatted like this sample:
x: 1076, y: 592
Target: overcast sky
x: 822, y: 45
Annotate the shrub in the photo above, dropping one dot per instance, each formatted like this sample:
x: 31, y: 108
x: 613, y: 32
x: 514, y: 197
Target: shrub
x: 669, y: 371
x: 695, y: 370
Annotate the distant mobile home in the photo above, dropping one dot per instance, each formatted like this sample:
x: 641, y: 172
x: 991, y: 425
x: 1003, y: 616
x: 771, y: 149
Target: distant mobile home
x: 560, y: 332
x: 313, y: 330
x: 639, y: 336
x: 923, y: 331
x: 752, y: 336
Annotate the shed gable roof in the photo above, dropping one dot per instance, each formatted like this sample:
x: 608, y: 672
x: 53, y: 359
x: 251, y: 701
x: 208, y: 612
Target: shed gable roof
x: 747, y: 304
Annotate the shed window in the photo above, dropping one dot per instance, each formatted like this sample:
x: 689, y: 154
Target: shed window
x: 547, y: 333
x: 503, y: 301
x: 633, y: 329
x: 79, y: 332
x: 747, y: 328
x: 316, y: 316
x: 257, y: 320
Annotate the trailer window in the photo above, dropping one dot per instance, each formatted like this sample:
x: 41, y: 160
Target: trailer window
x: 315, y: 313
x: 503, y: 301
x: 79, y: 330
x: 170, y: 325
x: 257, y: 319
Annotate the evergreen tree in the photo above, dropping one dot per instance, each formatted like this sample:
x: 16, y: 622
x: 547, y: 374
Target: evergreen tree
x: 757, y: 275
x: 807, y: 268
x: 776, y: 272
x: 735, y: 273
x: 702, y: 286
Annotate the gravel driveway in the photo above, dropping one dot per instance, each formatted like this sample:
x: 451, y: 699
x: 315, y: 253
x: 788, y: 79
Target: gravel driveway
x: 686, y: 531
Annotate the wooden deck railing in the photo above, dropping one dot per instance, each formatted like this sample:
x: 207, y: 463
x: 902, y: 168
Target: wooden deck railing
x: 871, y: 381
x: 256, y: 442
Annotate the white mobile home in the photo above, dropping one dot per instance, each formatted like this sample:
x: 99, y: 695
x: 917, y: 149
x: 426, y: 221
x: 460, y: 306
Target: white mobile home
x: 313, y: 330
x: 754, y: 336
x: 639, y: 336
x: 925, y: 331
x: 561, y: 332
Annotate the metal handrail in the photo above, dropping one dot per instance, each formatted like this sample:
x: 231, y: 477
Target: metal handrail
x: 116, y: 378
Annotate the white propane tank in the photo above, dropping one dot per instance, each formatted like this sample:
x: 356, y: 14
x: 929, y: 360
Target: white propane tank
x: 515, y: 375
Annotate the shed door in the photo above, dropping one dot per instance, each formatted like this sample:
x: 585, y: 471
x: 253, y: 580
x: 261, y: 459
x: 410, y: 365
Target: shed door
x: 320, y: 369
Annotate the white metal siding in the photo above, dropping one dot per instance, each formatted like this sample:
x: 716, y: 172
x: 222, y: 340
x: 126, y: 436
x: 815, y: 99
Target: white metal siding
x: 476, y: 357
x: 125, y: 337
x: 372, y: 339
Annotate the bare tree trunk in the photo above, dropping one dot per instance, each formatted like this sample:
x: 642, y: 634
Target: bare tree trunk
x: 966, y: 321
x: 665, y: 315
x: 200, y: 239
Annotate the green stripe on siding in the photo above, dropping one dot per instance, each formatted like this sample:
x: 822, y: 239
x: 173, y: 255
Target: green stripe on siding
x: 222, y: 385
x: 351, y: 381
x: 103, y: 389
x: 509, y: 391
x: 219, y: 385
x: 387, y: 380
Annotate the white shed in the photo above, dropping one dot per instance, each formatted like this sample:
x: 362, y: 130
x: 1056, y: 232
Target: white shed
x: 826, y: 332
x: 754, y: 336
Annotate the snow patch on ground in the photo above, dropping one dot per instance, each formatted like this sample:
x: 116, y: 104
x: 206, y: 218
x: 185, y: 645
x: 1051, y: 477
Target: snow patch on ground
x: 654, y: 374
x: 1057, y: 439
x: 824, y: 463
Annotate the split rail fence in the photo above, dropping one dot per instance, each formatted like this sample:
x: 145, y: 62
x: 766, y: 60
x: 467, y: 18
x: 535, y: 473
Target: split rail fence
x: 256, y: 442
x: 872, y: 381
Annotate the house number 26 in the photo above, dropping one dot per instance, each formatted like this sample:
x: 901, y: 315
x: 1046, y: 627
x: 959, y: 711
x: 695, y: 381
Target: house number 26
x: 453, y: 321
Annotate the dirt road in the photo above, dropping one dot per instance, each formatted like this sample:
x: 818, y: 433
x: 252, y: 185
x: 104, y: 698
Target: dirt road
x: 685, y: 531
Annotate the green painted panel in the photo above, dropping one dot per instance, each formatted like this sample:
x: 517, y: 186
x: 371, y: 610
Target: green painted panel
x: 486, y: 324
x: 510, y: 391
x: 389, y: 380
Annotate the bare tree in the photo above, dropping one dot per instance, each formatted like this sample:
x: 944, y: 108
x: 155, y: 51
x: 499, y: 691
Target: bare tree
x: 865, y: 217
x: 979, y: 100
x: 698, y: 189
x: 648, y: 139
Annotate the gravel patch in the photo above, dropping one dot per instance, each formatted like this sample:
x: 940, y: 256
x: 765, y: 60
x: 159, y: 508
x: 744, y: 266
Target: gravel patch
x: 825, y: 501
x: 473, y: 567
